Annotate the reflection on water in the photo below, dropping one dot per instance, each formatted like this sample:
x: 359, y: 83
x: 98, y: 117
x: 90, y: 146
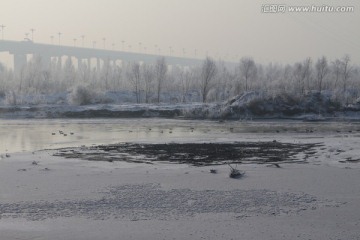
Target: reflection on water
x: 31, y: 135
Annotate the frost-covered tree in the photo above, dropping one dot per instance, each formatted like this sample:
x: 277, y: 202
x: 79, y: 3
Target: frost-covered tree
x: 322, y: 71
x: 160, y: 75
x: 224, y: 82
x: 299, y: 77
x: 148, y: 77
x: 207, y: 76
x: 187, y: 77
x: 69, y: 74
x: 134, y: 77
x: 308, y: 69
x: 33, y: 69
x: 286, y: 79
x: 248, y: 71
x: 346, y: 70
x: 269, y: 77
x: 3, y: 80
x: 302, y: 74
x: 83, y: 72
x: 336, y: 71
x: 117, y: 78
x: 105, y: 73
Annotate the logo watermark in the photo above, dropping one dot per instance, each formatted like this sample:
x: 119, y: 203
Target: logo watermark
x: 283, y: 8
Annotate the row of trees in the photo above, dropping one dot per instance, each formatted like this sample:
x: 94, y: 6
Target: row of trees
x: 149, y: 79
x: 212, y: 81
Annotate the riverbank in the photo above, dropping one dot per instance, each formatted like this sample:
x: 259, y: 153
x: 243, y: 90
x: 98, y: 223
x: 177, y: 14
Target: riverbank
x: 247, y: 106
x: 178, y: 111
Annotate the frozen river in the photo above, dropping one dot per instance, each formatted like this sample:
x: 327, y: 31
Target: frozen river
x: 32, y: 135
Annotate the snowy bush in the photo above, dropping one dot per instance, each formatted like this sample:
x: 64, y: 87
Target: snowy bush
x: 81, y: 95
x: 11, y: 98
x: 357, y: 101
x: 2, y: 94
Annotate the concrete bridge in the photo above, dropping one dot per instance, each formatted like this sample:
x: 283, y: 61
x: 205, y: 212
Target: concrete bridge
x: 20, y: 50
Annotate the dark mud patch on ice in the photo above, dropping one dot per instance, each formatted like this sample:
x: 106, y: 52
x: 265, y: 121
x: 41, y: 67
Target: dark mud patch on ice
x: 149, y: 201
x: 197, y: 154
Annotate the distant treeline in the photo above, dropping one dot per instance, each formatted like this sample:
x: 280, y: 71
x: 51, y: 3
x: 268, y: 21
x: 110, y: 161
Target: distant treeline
x: 213, y: 81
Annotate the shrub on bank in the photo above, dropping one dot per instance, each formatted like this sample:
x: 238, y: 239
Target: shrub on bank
x: 81, y: 95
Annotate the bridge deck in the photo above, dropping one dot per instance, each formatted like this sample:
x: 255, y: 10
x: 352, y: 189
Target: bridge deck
x: 47, y: 50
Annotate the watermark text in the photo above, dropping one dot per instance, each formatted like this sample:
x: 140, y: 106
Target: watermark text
x: 283, y: 8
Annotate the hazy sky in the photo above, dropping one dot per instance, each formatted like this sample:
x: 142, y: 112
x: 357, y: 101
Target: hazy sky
x: 228, y: 29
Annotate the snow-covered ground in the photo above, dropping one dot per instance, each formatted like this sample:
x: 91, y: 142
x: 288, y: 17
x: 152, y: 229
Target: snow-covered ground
x: 48, y: 197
